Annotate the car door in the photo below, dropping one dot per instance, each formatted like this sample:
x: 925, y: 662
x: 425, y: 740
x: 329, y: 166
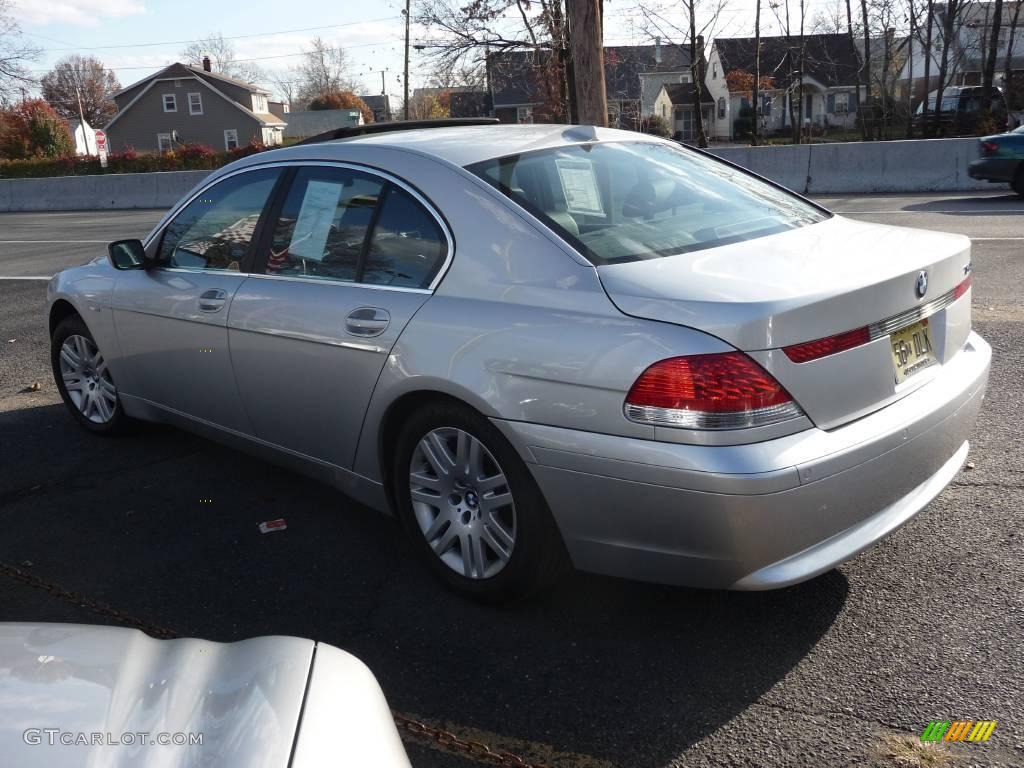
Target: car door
x: 346, y: 260
x: 171, y: 320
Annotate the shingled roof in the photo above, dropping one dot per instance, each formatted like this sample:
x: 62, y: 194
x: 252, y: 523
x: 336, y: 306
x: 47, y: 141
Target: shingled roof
x: 681, y: 94
x: 829, y: 59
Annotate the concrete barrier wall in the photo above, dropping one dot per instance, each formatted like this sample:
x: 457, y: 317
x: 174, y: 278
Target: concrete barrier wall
x: 923, y: 165
x: 932, y: 165
x: 116, y: 190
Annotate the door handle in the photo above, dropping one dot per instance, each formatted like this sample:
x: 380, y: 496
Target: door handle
x: 212, y: 300
x: 367, y: 321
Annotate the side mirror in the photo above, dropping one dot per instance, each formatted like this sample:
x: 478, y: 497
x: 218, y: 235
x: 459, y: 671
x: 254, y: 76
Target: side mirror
x: 127, y: 254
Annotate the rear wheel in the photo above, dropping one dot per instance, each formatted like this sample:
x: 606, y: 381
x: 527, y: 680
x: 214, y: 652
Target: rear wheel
x: 84, y: 379
x: 1018, y: 180
x: 471, y: 507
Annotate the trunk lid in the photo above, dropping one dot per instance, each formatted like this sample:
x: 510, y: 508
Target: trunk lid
x: 810, y: 283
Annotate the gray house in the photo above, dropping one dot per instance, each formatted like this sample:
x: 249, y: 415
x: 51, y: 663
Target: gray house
x: 181, y: 104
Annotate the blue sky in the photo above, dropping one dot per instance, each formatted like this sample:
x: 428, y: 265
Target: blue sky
x: 370, y: 31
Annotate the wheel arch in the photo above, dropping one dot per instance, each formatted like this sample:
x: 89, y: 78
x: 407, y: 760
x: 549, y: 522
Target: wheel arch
x: 60, y: 310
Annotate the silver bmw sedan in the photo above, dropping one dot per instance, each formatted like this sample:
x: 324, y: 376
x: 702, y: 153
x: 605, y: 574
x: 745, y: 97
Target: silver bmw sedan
x: 539, y: 344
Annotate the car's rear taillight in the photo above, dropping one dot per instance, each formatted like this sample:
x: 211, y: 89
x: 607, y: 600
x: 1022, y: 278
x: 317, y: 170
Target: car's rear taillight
x: 720, y: 391
x: 830, y: 345
x: 962, y: 288
x: 989, y: 147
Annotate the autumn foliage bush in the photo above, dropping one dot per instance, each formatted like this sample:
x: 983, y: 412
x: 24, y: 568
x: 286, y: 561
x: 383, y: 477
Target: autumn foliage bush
x: 31, y: 129
x: 188, y: 157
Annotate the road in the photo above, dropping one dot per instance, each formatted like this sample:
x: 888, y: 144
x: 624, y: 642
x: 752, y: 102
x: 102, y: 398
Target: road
x: 600, y: 672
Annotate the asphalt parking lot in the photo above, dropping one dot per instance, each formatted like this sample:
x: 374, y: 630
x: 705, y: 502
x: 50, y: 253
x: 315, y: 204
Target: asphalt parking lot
x: 841, y: 671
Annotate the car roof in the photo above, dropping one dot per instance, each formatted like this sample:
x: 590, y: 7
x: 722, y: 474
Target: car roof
x: 465, y: 145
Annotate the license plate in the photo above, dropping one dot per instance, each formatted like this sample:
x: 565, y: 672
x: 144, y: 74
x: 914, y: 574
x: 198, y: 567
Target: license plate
x: 912, y: 350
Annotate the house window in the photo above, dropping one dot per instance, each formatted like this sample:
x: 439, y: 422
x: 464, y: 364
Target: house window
x: 524, y: 114
x: 842, y: 103
x: 664, y: 111
x: 195, y: 103
x: 163, y: 142
x: 170, y: 102
x: 721, y: 109
x: 177, y: 83
x: 714, y: 71
x: 231, y: 138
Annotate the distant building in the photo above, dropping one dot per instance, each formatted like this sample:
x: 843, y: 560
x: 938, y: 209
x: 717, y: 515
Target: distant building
x: 181, y: 104
x: 829, y: 83
x: 302, y: 125
x: 675, y: 104
x: 84, y: 136
x: 634, y: 76
x: 279, y: 108
x: 380, y: 105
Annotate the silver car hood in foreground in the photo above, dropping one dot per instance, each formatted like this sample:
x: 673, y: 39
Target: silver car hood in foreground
x: 253, y: 701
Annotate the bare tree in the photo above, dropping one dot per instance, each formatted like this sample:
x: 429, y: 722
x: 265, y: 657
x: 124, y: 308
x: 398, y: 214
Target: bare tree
x: 796, y: 55
x: 952, y: 19
x: 830, y: 19
x: 223, y: 58
x: 989, y: 72
x: 15, y: 54
x: 81, y: 87
x: 284, y: 82
x: 755, y: 134
x: 694, y: 33
x: 929, y: 26
x: 477, y: 39
x: 1008, y: 75
x: 862, y: 79
x: 868, y: 102
x: 322, y: 69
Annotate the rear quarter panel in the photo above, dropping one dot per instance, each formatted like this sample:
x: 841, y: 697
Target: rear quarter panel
x: 520, y: 327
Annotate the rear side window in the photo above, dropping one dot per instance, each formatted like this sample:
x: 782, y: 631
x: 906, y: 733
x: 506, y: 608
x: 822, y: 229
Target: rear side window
x: 344, y: 225
x: 214, y: 231
x: 408, y: 246
x: 323, y: 225
x: 619, y: 202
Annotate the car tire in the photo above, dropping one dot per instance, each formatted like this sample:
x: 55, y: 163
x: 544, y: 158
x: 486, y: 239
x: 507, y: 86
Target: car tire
x: 464, y: 539
x: 77, y: 363
x: 1018, y: 180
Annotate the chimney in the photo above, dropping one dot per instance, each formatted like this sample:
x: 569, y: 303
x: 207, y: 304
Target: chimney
x: 206, y: 63
x: 657, y: 50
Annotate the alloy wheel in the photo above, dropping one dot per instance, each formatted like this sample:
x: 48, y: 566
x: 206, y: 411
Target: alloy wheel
x: 87, y: 379
x: 462, y: 503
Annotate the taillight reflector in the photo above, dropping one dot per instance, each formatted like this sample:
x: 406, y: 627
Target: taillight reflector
x: 962, y: 288
x: 720, y: 391
x: 830, y: 345
x: 989, y: 147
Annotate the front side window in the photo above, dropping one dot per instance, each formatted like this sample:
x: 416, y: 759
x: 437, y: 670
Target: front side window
x: 170, y: 102
x: 214, y: 231
x: 231, y: 138
x: 619, y: 202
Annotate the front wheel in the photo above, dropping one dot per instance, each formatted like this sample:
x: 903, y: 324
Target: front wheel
x: 471, y: 507
x: 84, y: 379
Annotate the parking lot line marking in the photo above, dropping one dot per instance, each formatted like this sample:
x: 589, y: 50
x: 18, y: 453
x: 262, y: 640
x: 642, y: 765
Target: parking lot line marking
x: 33, y: 277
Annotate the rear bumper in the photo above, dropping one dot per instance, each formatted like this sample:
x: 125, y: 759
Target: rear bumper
x: 762, y: 515
x: 994, y: 168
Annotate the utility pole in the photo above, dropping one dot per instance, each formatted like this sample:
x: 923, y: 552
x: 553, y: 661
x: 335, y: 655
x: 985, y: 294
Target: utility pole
x: 405, y: 79
x: 586, y: 44
x: 81, y: 112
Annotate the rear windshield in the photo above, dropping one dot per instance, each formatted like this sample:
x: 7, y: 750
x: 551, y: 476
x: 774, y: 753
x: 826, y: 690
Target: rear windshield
x: 619, y: 202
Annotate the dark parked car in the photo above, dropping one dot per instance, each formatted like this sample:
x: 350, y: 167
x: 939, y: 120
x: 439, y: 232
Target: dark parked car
x: 1002, y: 159
x: 960, y: 110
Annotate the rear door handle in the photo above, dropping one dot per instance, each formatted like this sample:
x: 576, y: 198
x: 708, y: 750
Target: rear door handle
x: 212, y: 300
x: 367, y: 321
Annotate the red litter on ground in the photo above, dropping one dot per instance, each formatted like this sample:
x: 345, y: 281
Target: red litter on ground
x: 273, y: 525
